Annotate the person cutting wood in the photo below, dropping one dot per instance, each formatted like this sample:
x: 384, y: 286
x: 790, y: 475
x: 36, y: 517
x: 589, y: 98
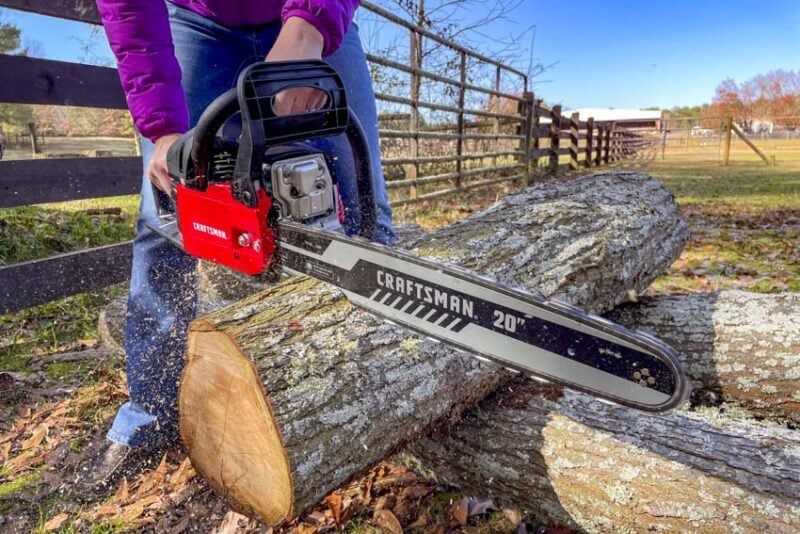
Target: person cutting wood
x: 174, y: 58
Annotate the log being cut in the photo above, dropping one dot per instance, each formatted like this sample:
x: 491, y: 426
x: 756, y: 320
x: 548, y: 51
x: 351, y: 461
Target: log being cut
x: 289, y: 393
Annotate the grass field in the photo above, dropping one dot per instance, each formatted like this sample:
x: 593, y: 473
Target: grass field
x: 745, y: 233
x: 744, y: 220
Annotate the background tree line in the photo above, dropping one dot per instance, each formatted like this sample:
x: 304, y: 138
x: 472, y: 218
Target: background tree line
x: 773, y: 97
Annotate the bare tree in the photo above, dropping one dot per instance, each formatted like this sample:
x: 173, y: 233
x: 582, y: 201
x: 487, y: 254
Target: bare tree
x: 774, y: 95
x: 461, y: 21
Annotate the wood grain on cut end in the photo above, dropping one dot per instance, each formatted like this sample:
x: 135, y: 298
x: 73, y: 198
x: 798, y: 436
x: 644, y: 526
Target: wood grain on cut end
x: 232, y: 436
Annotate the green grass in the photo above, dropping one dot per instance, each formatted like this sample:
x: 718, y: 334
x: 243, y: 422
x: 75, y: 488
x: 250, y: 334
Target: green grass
x: 20, y: 483
x: 741, y: 184
x: 744, y: 222
x: 33, y: 232
x: 360, y: 525
x: 51, y: 327
x: 66, y: 370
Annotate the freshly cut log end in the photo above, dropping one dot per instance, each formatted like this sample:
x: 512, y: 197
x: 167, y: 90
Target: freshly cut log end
x: 232, y: 436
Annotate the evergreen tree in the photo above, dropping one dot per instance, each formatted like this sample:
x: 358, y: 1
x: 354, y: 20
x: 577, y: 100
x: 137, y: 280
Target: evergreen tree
x: 13, y: 117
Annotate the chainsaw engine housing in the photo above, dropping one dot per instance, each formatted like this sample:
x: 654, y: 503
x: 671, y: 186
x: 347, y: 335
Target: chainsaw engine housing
x: 243, y: 167
x: 220, y: 229
x: 217, y: 227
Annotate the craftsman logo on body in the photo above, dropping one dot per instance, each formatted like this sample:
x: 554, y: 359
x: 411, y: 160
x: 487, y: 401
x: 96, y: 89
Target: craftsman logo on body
x: 451, y: 302
x: 210, y: 230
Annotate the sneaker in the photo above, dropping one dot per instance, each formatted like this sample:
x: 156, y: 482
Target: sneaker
x: 108, y: 465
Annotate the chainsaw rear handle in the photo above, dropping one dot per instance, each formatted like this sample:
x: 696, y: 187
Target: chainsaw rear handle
x: 188, y: 159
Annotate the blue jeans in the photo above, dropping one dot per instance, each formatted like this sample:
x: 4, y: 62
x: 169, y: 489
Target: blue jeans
x: 163, y: 296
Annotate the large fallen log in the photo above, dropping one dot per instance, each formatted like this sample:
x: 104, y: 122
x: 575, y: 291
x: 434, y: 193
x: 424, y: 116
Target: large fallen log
x: 575, y: 461
x: 289, y: 393
x: 737, y: 347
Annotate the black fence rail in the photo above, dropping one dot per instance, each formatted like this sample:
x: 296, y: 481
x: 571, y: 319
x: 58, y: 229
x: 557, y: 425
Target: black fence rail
x: 443, y: 130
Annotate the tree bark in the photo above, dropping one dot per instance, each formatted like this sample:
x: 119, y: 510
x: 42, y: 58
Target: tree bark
x: 288, y: 394
x: 737, y: 347
x: 572, y: 460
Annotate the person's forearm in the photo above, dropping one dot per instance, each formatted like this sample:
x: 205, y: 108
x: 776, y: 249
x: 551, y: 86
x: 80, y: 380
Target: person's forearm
x: 297, y: 39
x: 331, y: 18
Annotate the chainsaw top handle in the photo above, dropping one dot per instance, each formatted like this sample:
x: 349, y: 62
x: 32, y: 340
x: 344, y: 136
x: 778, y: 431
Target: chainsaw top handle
x: 188, y: 159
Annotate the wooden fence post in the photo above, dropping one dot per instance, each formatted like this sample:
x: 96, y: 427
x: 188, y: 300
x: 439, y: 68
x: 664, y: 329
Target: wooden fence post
x: 535, y: 123
x: 574, y: 125
x: 34, y: 141
x: 460, y: 119
x: 496, y: 120
x: 526, y: 108
x: 589, y: 139
x: 555, y: 137
x: 598, y: 158
x: 412, y: 170
x: 726, y: 154
x: 607, y: 151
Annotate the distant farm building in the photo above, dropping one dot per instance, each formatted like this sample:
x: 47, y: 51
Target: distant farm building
x: 699, y: 131
x: 761, y: 126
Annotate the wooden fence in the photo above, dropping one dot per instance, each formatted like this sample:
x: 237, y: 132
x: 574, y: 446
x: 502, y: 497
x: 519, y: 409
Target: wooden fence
x: 484, y: 144
x: 481, y: 141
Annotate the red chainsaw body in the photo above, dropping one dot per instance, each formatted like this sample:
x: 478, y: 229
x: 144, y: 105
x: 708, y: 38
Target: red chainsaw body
x: 214, y: 226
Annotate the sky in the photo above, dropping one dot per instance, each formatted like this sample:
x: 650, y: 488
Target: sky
x: 607, y: 53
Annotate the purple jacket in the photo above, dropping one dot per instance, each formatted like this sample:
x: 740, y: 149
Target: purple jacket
x: 138, y: 31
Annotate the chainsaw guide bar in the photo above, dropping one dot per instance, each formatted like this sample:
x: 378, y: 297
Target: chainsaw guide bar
x: 545, y: 339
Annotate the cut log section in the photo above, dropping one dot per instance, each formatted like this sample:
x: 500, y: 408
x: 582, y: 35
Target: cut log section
x: 737, y: 347
x: 575, y: 461
x: 289, y: 393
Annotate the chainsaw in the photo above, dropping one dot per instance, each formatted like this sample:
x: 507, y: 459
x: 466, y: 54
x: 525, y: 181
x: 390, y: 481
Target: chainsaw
x: 264, y: 196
